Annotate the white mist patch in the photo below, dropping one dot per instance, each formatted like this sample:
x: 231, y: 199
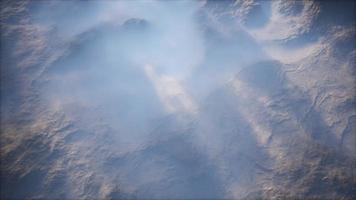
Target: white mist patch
x: 171, y: 92
x: 292, y: 55
x: 107, y: 65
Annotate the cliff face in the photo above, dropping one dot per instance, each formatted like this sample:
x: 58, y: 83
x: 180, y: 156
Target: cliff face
x: 188, y: 100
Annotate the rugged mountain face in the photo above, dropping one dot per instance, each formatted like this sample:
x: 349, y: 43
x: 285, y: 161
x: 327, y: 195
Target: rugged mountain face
x: 286, y: 120
x: 181, y: 100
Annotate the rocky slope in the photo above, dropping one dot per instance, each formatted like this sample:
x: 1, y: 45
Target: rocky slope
x: 265, y: 111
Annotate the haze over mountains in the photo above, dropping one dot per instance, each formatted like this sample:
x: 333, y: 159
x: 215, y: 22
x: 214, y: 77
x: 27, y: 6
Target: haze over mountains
x: 178, y: 99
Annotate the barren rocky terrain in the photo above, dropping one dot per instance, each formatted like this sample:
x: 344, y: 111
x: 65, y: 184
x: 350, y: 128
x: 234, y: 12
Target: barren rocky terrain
x: 178, y: 100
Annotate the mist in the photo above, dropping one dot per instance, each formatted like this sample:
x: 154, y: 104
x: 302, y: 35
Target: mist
x: 183, y: 99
